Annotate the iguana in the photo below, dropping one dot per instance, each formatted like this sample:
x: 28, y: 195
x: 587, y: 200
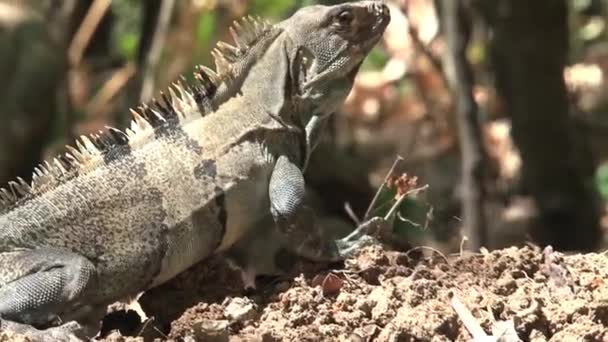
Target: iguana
x: 195, y: 172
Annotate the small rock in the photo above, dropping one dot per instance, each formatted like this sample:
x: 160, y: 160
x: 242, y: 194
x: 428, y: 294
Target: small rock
x: 505, y: 286
x: 115, y: 336
x: 329, y: 283
x: 211, y: 330
x: 381, y: 300
x: 8, y: 336
x: 367, y: 332
x: 240, y: 309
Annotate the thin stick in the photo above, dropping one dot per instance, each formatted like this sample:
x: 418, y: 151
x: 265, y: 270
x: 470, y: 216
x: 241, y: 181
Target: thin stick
x: 468, y: 320
x: 397, y: 161
x: 110, y: 88
x: 435, y: 250
x: 351, y: 213
x: 459, y: 73
x: 462, y: 242
x: 86, y: 30
x: 401, y: 198
x: 153, y: 55
x: 426, y: 51
x: 145, y: 325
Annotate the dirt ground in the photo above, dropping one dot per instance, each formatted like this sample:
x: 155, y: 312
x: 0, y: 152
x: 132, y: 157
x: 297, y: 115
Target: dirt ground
x: 385, y: 295
x: 382, y: 295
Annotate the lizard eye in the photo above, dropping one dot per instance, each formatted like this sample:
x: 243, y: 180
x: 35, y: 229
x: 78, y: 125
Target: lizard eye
x: 344, y: 18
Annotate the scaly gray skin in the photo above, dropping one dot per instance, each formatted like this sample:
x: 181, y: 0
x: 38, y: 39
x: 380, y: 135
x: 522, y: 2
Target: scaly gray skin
x: 122, y: 213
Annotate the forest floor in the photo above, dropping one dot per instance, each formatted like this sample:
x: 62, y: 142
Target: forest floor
x: 383, y: 295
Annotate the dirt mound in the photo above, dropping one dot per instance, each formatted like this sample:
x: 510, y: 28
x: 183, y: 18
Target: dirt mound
x: 389, y: 296
x: 382, y: 295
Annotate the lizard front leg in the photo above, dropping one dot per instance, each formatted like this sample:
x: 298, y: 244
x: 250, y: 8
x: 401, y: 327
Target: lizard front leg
x: 299, y: 224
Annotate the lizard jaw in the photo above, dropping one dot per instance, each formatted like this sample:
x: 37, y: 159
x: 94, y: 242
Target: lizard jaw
x: 381, y: 12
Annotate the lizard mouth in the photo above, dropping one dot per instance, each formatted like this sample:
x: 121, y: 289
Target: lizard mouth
x: 380, y: 12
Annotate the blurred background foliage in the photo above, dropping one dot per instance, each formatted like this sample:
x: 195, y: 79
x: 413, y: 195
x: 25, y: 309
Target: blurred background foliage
x: 72, y: 67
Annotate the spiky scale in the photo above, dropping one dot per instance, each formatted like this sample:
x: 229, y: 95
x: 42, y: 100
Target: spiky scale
x: 73, y: 159
x: 235, y: 38
x: 39, y: 171
x: 88, y: 145
x: 151, y: 116
x: 75, y: 153
x: 206, y: 84
x: 183, y: 99
x: 221, y: 64
x: 211, y: 75
x: 22, y: 187
x: 203, y: 90
x: 257, y: 24
x: 82, y: 148
x: 99, y: 142
x: 120, y: 137
x: 7, y: 196
x: 4, y: 200
x: 229, y: 52
x: 185, y: 94
x: 178, y: 103
x: 158, y: 115
x: 60, y: 165
x: 67, y: 161
x: 130, y: 133
x: 140, y: 122
x: 202, y: 87
x: 248, y: 25
x: 94, y: 138
x: 168, y: 104
x: 237, y: 33
x: 12, y: 185
x: 22, y: 182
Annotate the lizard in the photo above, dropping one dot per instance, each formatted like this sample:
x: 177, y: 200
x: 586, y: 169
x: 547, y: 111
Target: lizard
x: 196, y: 171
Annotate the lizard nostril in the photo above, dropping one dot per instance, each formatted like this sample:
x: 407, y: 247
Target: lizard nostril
x: 384, y: 9
x: 379, y: 9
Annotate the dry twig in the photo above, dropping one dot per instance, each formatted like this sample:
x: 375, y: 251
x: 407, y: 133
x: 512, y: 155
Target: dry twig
x: 86, y: 30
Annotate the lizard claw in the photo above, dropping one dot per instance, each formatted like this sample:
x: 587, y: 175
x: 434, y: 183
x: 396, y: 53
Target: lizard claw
x: 348, y: 249
x: 361, y: 237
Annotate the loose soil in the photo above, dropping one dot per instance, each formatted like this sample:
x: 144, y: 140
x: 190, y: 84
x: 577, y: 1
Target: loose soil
x: 383, y: 295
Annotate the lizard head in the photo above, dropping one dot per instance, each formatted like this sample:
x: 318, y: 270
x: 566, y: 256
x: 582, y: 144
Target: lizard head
x: 330, y: 44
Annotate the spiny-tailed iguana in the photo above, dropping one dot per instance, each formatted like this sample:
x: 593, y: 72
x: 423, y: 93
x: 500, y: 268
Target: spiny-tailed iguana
x: 196, y: 171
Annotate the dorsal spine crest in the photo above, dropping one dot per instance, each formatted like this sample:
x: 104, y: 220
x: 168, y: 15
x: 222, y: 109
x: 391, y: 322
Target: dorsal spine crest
x: 180, y: 104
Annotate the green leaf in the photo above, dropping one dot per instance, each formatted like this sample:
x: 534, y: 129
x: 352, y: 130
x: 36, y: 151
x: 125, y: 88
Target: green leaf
x: 601, y: 180
x: 412, y: 217
x: 272, y: 9
x: 127, y: 45
x: 375, y: 60
x: 205, y: 28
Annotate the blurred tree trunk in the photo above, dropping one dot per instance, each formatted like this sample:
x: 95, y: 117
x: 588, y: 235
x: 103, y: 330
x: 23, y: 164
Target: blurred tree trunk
x: 32, y: 66
x: 100, y: 43
x: 35, y: 103
x: 529, y: 49
x: 457, y: 31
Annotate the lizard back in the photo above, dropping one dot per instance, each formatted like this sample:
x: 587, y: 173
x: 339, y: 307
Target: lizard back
x: 146, y: 203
